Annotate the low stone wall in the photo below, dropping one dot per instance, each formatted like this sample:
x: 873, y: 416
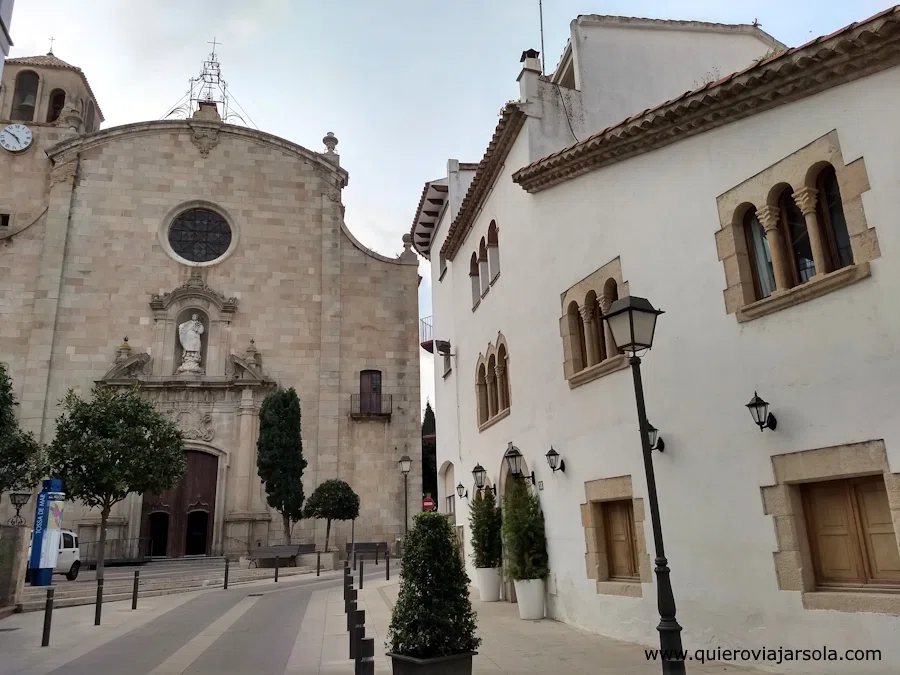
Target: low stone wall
x: 13, y: 549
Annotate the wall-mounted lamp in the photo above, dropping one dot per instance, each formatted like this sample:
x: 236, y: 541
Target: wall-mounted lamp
x: 514, y: 463
x: 554, y: 461
x: 656, y: 443
x: 462, y: 492
x: 479, y: 474
x: 759, y: 409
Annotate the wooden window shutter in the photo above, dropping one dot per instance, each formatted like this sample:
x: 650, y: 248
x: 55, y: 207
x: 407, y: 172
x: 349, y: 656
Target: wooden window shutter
x: 879, y: 539
x: 833, y: 533
x: 620, y: 546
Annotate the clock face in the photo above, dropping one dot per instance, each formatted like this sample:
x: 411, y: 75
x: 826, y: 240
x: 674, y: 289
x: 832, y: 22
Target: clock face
x: 15, y: 137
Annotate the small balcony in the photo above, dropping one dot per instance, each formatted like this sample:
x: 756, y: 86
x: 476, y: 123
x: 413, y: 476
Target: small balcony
x: 373, y: 405
x: 426, y: 334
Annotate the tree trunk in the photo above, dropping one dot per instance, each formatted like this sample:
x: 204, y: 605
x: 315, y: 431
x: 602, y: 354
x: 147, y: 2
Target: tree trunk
x: 287, y: 528
x: 101, y: 546
x: 327, y: 532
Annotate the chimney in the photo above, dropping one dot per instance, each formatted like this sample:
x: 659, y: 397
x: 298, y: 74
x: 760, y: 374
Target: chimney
x: 531, y: 73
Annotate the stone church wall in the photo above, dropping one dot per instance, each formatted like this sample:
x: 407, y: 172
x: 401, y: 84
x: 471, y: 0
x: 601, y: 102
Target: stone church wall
x: 317, y: 307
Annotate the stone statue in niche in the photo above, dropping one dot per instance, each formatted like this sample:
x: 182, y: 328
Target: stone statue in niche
x: 189, y: 335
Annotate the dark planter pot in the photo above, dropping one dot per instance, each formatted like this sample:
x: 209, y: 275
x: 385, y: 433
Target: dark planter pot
x: 457, y: 664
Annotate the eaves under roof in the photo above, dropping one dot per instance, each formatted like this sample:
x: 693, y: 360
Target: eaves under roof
x: 512, y: 118
x: 431, y: 204
x: 860, y: 49
x: 53, y: 61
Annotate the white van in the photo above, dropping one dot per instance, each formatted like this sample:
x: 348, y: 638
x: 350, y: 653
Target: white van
x: 69, y: 560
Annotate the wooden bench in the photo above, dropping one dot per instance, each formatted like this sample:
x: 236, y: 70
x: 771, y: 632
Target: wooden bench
x: 368, y: 549
x: 286, y: 553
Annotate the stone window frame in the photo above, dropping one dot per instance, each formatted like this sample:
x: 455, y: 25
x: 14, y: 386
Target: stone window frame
x: 583, y: 335
x: 597, y: 492
x: 799, y: 170
x: 794, y: 568
x: 492, y: 395
x: 166, y: 223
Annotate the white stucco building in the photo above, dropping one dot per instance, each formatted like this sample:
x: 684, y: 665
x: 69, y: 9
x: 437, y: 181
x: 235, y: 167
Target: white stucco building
x: 758, y: 211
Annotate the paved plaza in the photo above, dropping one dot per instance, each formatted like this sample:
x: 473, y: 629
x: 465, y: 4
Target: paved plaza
x: 296, y: 627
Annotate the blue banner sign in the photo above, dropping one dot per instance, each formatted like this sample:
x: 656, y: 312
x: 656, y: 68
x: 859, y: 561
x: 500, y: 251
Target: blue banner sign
x: 47, y: 532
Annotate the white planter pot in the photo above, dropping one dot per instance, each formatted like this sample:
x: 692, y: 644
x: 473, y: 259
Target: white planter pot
x: 488, y: 579
x: 530, y: 597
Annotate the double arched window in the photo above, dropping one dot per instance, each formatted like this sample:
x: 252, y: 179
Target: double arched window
x: 492, y: 384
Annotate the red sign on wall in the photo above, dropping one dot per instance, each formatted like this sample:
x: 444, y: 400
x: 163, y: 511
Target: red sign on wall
x: 428, y: 504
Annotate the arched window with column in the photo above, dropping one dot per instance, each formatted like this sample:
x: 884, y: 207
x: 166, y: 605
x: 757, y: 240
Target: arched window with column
x: 473, y: 280
x: 801, y: 263
x: 55, y: 105
x: 503, y: 377
x: 577, y: 345
x: 609, y: 296
x: 493, y: 248
x: 484, y: 272
x: 25, y: 96
x: 831, y: 215
x: 493, y: 393
x: 481, y: 394
x: 760, y: 255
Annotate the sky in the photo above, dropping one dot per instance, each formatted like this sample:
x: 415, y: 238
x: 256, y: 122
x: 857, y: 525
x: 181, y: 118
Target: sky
x: 403, y: 84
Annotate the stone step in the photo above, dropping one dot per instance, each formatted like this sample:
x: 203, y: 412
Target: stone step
x: 35, y: 597
x: 88, y: 589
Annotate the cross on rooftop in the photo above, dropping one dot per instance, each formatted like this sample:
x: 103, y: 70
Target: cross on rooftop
x: 214, y: 43
x: 52, y: 40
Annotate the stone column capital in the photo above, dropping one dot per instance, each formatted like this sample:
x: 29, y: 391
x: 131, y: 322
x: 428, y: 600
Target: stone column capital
x: 806, y: 198
x: 489, y: 376
x: 587, y: 312
x: 499, y: 370
x: 768, y: 217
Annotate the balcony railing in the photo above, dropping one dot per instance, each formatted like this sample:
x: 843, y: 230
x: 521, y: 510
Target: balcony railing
x: 371, y: 405
x: 426, y: 333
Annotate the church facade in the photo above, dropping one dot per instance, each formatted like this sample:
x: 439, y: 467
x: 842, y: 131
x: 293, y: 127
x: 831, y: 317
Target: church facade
x: 207, y: 264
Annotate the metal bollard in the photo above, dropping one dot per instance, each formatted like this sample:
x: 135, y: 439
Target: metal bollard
x: 361, y: 565
x: 276, y: 569
x: 358, y: 632
x: 365, y: 661
x: 348, y: 584
x: 226, y: 575
x: 99, y: 603
x: 387, y: 566
x: 48, y: 618
x: 134, y: 591
x: 376, y: 555
x: 318, y: 563
x: 354, y: 561
x: 351, y: 615
x: 351, y: 600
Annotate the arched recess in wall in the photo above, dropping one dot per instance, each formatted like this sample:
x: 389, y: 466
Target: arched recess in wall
x: 25, y: 96
x: 493, y: 247
x: 55, y: 105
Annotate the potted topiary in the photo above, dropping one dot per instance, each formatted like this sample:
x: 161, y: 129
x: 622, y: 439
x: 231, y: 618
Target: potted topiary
x: 487, y: 549
x: 432, y: 625
x: 525, y: 548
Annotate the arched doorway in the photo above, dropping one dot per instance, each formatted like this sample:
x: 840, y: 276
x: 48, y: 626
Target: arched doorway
x: 187, y: 510
x: 159, y: 533
x: 197, y: 535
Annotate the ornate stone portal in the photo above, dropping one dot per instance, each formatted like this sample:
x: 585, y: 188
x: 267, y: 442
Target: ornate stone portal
x: 213, y: 396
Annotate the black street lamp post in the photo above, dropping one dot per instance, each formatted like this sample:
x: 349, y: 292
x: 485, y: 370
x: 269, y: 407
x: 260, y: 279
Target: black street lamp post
x: 405, y: 464
x: 632, y: 321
